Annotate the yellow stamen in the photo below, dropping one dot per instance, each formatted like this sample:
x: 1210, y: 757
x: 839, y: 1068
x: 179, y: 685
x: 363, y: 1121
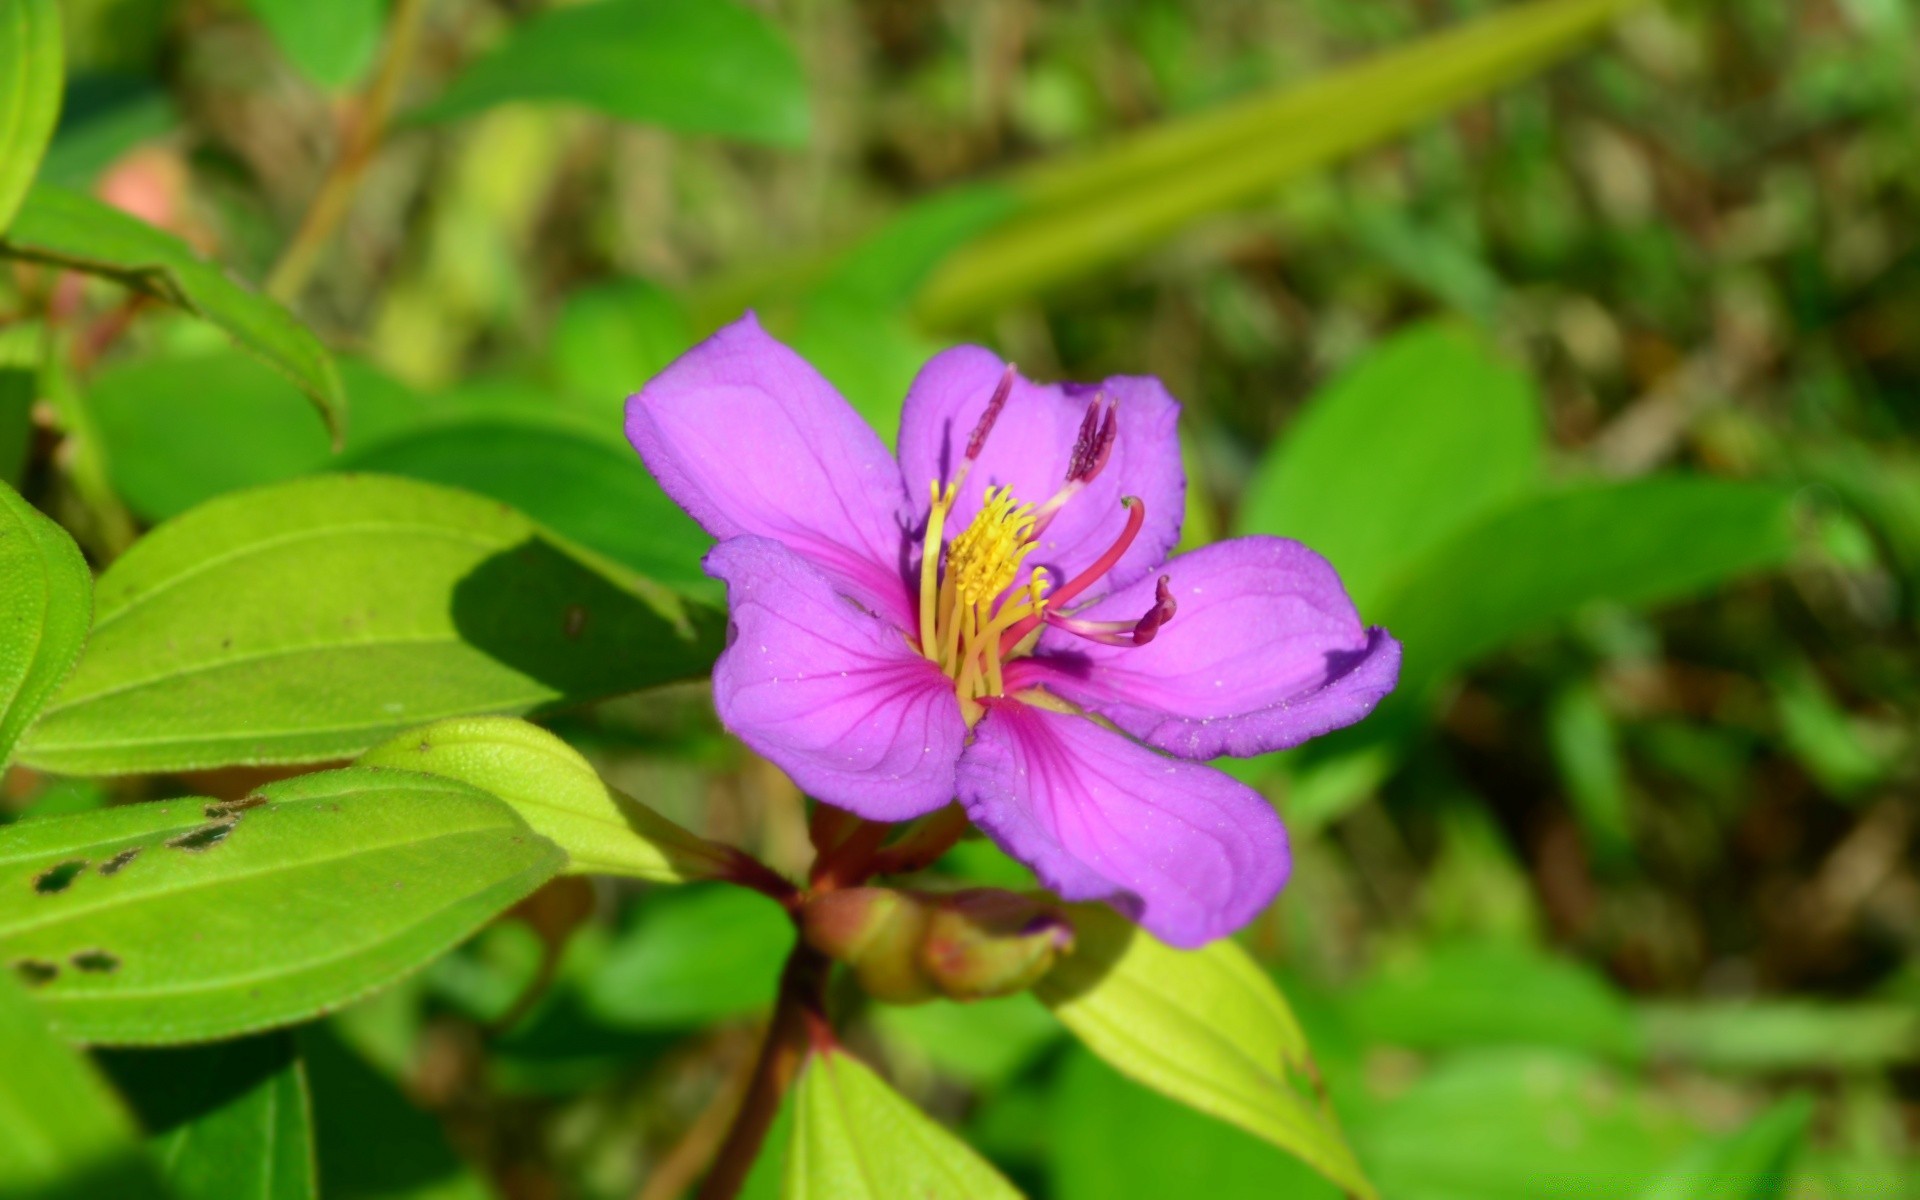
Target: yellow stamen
x: 967, y: 607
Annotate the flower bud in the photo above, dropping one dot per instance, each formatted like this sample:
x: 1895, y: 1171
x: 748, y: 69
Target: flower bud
x: 906, y: 947
x: 876, y: 932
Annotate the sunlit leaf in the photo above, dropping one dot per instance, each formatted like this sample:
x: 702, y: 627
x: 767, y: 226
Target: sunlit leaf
x: 46, y: 602
x: 332, y: 42
x: 1206, y: 1027
x: 31, y: 76
x: 412, y: 602
x: 182, y: 920
x: 855, y: 1138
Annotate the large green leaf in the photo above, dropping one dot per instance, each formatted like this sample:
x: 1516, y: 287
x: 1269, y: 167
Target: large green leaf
x: 691, y: 956
x: 1528, y: 566
x: 374, y: 1144
x: 332, y: 42
x: 46, y: 604
x: 611, y: 338
x: 1085, y: 212
x: 63, y: 1135
x: 411, y: 602
x: 1425, y: 434
x: 227, y: 1121
x: 31, y: 74
x: 855, y: 1138
x: 71, y: 229
x: 1751, y: 1163
x: 1206, y: 1027
x: 603, y: 832
x: 182, y: 920
x: 698, y: 66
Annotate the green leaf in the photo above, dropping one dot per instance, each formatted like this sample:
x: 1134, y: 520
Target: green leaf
x: 585, y: 483
x: 696, y: 66
x: 984, y: 1042
x: 332, y: 43
x: 63, y: 1135
x: 1206, y: 1027
x: 1586, y: 752
x: 228, y: 1121
x: 855, y: 1138
x: 611, y: 338
x: 1752, y: 1163
x: 183, y: 920
x: 1108, y: 204
x: 556, y: 790
x: 1424, y: 435
x: 73, y: 230
x: 46, y: 604
x: 691, y: 956
x: 32, y: 71
x: 1783, y: 1035
x: 412, y: 602
x: 1529, y: 566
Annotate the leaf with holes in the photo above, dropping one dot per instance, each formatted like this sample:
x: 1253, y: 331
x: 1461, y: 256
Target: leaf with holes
x: 227, y: 1121
x: 73, y: 230
x: 1206, y: 1027
x: 855, y: 1138
x: 31, y: 73
x: 413, y: 602
x: 182, y: 920
x: 46, y: 602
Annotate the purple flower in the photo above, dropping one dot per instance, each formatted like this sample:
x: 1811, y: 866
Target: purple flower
x: 907, y: 633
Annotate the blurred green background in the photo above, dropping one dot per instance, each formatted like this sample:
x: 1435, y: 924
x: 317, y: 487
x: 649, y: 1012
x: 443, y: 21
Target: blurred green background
x: 1588, y: 350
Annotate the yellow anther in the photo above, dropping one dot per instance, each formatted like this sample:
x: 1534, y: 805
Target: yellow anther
x: 965, y: 609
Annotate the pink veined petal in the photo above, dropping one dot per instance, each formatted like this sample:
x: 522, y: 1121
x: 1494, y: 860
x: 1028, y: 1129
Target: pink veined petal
x: 750, y: 440
x: 1186, y: 851
x: 1028, y: 451
x: 831, y: 694
x: 1264, y: 652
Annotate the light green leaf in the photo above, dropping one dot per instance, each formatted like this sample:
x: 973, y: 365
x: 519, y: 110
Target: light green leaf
x: 603, y: 832
x: 63, y: 1135
x: 412, y: 602
x: 1109, y: 203
x: 1424, y: 435
x: 1752, y: 1163
x: 332, y: 42
x: 696, y: 66
x: 1206, y: 1027
x: 73, y: 230
x: 46, y: 604
x: 32, y: 71
x: 183, y: 920
x: 1783, y: 1035
x: 691, y: 956
x: 855, y: 1138
x: 227, y: 1121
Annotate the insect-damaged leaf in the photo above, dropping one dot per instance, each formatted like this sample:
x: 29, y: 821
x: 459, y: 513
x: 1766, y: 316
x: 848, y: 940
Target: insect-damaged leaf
x: 181, y: 920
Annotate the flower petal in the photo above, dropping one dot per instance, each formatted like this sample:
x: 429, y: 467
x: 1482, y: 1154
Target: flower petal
x: 749, y: 439
x: 1264, y: 652
x: 1028, y: 451
x: 1186, y: 851
x: 831, y: 694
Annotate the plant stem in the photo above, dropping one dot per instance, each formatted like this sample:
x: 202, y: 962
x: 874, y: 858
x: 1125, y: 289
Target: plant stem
x: 922, y: 844
x: 798, y: 1018
x: 361, y: 139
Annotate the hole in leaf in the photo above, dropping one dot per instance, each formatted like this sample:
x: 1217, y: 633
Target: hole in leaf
x: 118, y: 862
x: 204, y: 838
x: 222, y: 809
x: 59, y: 878
x: 35, y: 973
x: 96, y: 962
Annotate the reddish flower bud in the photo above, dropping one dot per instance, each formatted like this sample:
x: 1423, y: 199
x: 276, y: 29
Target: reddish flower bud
x: 983, y: 942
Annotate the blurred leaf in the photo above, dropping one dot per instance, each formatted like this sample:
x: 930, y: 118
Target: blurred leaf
x: 557, y: 792
x: 412, y: 602
x: 102, y: 118
x: 692, y: 955
x: 332, y: 42
x: 869, y: 353
x: 1489, y: 994
x: 1783, y: 1035
x: 99, y: 519
x: 1586, y: 752
x: 984, y: 1042
x: 46, y: 603
x: 855, y: 1138
x: 1823, y: 736
x: 63, y: 1135
x: 1109, y: 1140
x: 1528, y: 566
x: 1422, y: 437
x: 31, y: 74
x: 228, y: 1121
x: 1751, y: 1164
x: 1084, y: 212
x: 180, y: 431
x: 610, y: 339
x: 189, y: 919
x: 696, y: 66
x: 17, y: 387
x: 1206, y: 1027
x: 73, y: 230
x: 585, y: 483
x: 373, y: 1143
